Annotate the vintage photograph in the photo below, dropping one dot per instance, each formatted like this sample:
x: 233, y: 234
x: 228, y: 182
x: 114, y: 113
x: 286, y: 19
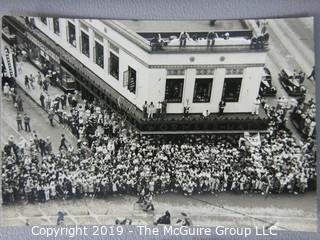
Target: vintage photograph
x: 190, y: 123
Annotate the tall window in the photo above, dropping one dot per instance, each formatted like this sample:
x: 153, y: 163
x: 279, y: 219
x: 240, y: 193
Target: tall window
x: 202, y: 90
x: 43, y: 20
x: 85, y: 46
x: 72, y: 34
x: 56, y: 26
x: 231, y: 89
x: 99, y: 58
x: 114, y: 65
x: 132, y: 80
x: 174, y: 90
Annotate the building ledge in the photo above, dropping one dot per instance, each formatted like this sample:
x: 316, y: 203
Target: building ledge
x: 230, y: 122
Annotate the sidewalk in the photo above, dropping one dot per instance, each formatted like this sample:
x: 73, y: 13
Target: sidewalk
x: 39, y: 122
x: 27, y: 69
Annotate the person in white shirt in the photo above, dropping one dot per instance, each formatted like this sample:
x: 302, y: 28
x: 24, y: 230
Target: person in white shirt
x: 151, y: 110
x: 256, y: 105
x: 205, y: 113
x: 6, y: 90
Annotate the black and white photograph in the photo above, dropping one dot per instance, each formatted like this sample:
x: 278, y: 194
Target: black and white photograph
x: 158, y: 122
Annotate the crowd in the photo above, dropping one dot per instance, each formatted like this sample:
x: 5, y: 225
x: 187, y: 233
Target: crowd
x: 112, y: 158
x: 304, y: 115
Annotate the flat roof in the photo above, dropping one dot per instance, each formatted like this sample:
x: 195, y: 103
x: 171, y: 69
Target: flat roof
x: 143, y: 32
x: 183, y: 26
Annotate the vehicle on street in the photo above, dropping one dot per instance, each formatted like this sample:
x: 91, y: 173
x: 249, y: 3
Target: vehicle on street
x: 291, y: 83
x: 266, y: 87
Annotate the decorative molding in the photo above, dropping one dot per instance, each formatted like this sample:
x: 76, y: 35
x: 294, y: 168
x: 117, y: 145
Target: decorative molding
x: 206, y: 66
x: 234, y: 71
x: 205, y: 71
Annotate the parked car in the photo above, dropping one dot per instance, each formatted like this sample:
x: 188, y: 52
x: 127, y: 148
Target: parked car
x: 291, y: 84
x: 266, y: 87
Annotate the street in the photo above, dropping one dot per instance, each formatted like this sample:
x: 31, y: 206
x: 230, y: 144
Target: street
x: 39, y: 123
x: 285, y: 212
x: 291, y: 47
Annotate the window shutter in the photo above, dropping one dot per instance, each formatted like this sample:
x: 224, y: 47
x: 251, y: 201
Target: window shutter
x: 80, y: 41
x: 132, y: 85
x: 67, y: 31
x: 94, y: 54
x: 109, y: 65
x: 125, y: 79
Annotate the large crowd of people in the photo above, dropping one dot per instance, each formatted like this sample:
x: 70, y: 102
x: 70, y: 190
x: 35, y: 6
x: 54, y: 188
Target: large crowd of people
x: 112, y: 158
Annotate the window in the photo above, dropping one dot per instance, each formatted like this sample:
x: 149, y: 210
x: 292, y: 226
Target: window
x: 85, y: 47
x: 114, y: 65
x: 231, y: 89
x: 202, y: 90
x: 43, y: 20
x: 174, y: 90
x: 99, y: 54
x: 132, y: 80
x: 56, y: 26
x: 72, y: 34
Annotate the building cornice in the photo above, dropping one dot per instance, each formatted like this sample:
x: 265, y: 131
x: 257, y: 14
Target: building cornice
x: 204, y: 66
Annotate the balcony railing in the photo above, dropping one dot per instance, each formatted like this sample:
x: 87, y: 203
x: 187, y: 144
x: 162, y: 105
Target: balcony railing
x: 202, y: 41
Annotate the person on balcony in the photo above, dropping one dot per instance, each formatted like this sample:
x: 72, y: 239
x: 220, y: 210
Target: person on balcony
x: 226, y: 36
x: 145, y: 110
x: 211, y: 39
x: 163, y: 109
x: 186, y: 109
x: 151, y: 110
x: 256, y: 105
x: 158, y: 110
x: 205, y: 113
x: 183, y: 39
x: 155, y: 43
x: 222, y: 105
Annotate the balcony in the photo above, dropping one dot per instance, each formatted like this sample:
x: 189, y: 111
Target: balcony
x: 163, y: 36
x: 222, y: 41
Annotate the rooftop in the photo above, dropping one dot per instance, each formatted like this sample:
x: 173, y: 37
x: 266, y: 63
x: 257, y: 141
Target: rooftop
x: 187, y: 26
x: 165, y: 36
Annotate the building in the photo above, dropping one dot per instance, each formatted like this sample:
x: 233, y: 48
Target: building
x: 125, y: 63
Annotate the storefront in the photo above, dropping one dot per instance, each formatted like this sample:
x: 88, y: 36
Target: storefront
x: 41, y: 56
x: 7, y: 35
x: 47, y: 61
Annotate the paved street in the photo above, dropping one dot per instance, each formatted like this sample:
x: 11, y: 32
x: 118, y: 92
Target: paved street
x: 31, y: 104
x: 290, y: 47
x: 289, y: 39
x: 39, y: 122
x: 286, y: 212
